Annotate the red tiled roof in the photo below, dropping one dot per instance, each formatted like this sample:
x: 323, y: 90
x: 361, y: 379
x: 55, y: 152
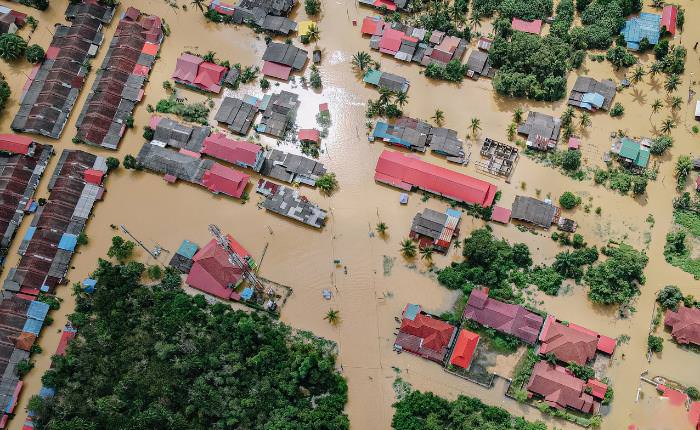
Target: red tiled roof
x: 685, y: 325
x: 210, y: 76
x: 150, y: 49
x: 500, y: 214
x: 567, y: 343
x: 213, y: 273
x: 309, y: 134
x: 504, y: 317
x: 25, y: 341
x: 233, y: 151
x: 391, y: 40
x: 93, y: 176
x: 560, y: 389
x: 186, y: 67
x: 464, y: 349
x: 534, y: 27
x: 390, y: 5
x: 405, y: 172
x: 66, y: 337
x: 598, y: 389
x: 668, y: 18
x: 276, y: 70
x: 425, y: 336
x: 372, y: 25
x: 606, y: 344
x: 15, y: 143
x: 221, y: 179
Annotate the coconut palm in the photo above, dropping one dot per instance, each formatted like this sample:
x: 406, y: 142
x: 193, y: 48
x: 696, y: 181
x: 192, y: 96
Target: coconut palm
x: 672, y: 83
x: 200, y: 4
x: 474, y: 21
x: 426, y: 253
x: 361, y: 61
x: 332, y: 316
x: 638, y: 74
x: 676, y: 103
x: 313, y: 33
x: 667, y: 125
x: 510, y: 131
x: 567, y: 116
x: 656, y: 106
x: 655, y: 68
x: 210, y: 56
x: 684, y: 165
x: 585, y: 120
x: 475, y: 125
x: 438, y: 117
x: 381, y: 228
x: 401, y: 98
x: 408, y: 248
x: 518, y: 115
x: 385, y: 96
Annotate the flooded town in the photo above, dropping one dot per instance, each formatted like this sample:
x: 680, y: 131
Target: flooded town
x: 390, y: 214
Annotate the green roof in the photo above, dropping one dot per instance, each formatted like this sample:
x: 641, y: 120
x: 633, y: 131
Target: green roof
x: 372, y: 77
x: 633, y: 151
x: 643, y: 157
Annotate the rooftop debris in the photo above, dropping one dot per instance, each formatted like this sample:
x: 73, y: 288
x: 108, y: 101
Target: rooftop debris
x: 288, y: 202
x: 542, y: 131
x: 435, y: 229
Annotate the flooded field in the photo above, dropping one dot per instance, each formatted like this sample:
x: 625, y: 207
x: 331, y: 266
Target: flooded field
x: 368, y: 300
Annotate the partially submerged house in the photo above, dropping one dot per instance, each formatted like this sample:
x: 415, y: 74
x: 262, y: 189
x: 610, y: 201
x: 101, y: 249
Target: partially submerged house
x: 572, y: 343
x: 541, y: 130
x: 591, y: 94
x: 534, y: 211
x: 53, y: 86
x: 532, y: 27
x: 424, y: 335
x: 435, y: 229
x: 280, y: 59
x: 415, y: 139
x: 239, y: 152
x: 406, y: 173
x: 192, y: 71
x: 669, y: 16
x: 170, y: 133
x: 386, y: 81
x: 270, y: 15
x: 684, y: 324
x: 464, y: 349
x: 445, y: 142
x: 238, y: 114
x: 390, y: 5
x: 560, y: 389
x: 11, y: 20
x: 645, y: 26
x: 504, y: 317
x: 279, y: 112
x: 220, y: 179
x: 120, y: 80
x: 632, y: 153
x: 418, y: 135
x: 291, y: 168
x: 478, y: 64
x: 289, y: 203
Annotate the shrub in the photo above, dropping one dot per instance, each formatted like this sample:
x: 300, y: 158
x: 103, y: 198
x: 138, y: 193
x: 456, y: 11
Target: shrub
x: 35, y: 54
x: 669, y: 297
x: 12, y: 46
x: 655, y: 343
x: 660, y: 144
x: 693, y: 393
x: 617, y: 110
x: 312, y: 7
x: 112, y: 163
x: 569, y: 200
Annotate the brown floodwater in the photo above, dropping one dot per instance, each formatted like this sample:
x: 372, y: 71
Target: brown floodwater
x: 368, y: 300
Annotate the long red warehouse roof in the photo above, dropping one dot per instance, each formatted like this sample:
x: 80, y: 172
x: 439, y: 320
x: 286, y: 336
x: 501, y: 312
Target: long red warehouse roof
x: 406, y: 172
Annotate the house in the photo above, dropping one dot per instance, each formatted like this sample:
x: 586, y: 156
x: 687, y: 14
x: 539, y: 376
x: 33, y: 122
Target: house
x: 213, y: 273
x: 280, y: 59
x: 697, y: 110
x: 16, y: 144
x: 415, y: 139
x: 597, y: 388
x: 192, y: 71
x: 464, y: 349
x: 500, y: 215
x: 484, y: 44
x: 478, y: 65
x: 684, y: 324
x: 560, y: 389
x: 224, y: 180
x: 172, y: 164
x: 633, y: 153
x: 279, y: 112
x: 533, y: 211
x: 11, y: 20
x: 309, y: 135
x: 532, y: 27
x: 54, y: 85
x: 270, y: 15
x: 239, y: 152
x: 406, y: 173
x: 291, y: 168
x: 434, y: 229
x: 504, y: 317
x: 390, y: 5
x: 567, y: 342
x: 372, y: 25
x: 444, y: 141
x: 669, y: 15
x: 574, y: 143
x: 119, y: 85
x: 645, y: 26
x: 386, y: 81
x: 237, y: 114
x: 591, y: 94
x: 289, y: 203
x: 169, y: 133
x: 542, y: 131
x: 423, y: 335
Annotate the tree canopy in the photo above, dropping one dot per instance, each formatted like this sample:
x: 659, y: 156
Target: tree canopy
x: 616, y: 280
x: 157, y: 358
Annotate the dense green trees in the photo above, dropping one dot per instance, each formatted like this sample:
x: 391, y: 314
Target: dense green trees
x: 35, y: 54
x: 669, y: 297
x: 426, y: 411
x: 12, y: 46
x: 156, y: 358
x: 616, y: 280
x: 4, y: 92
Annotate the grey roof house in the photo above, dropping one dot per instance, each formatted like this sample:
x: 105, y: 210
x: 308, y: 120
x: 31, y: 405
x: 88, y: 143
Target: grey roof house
x: 288, y: 202
x: 237, y: 114
x: 394, y: 83
x: 591, y: 94
x: 286, y: 54
x: 291, y: 168
x: 478, y: 64
x: 279, y: 111
x: 270, y: 15
x: 534, y: 211
x: 174, y: 134
x: 542, y: 131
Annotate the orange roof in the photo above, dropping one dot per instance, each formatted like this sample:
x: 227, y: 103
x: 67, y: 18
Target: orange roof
x: 464, y: 349
x: 150, y: 49
x: 606, y: 344
x: 598, y: 389
x: 25, y: 341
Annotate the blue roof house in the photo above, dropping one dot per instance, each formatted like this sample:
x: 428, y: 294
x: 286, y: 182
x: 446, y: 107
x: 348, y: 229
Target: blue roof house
x: 646, y: 26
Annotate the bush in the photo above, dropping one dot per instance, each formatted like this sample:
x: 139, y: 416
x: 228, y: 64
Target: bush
x: 639, y: 185
x: 693, y: 393
x: 312, y: 7
x: 620, y: 57
x: 5, y: 92
x: 655, y: 343
x: 569, y: 200
x: 617, y: 110
x: 571, y: 161
x: 669, y: 297
x: 12, y: 46
x: 616, y: 280
x: 35, y: 54
x: 112, y: 163
x: 660, y: 144
x: 327, y: 183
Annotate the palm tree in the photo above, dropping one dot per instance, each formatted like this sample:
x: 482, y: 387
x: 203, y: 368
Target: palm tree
x: 656, y: 106
x: 438, y: 117
x: 518, y: 115
x: 667, y: 125
x: 638, y: 74
x: 655, y: 68
x: 474, y: 21
x: 475, y: 125
x: 510, y: 131
x: 381, y: 228
x: 567, y: 116
x: 676, y: 103
x: 313, y: 33
x: 401, y: 98
x: 361, y: 61
x: 332, y: 316
x: 426, y: 253
x: 408, y: 248
x: 684, y: 165
x: 672, y: 83
x: 199, y: 4
x: 385, y: 96
x: 585, y: 120
x: 210, y: 56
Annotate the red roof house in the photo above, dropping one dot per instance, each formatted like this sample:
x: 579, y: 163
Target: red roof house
x: 238, y: 152
x: 276, y: 70
x: 668, y: 18
x: 501, y: 215
x: 567, y: 343
x: 391, y: 41
x: 560, y: 389
x: 210, y: 76
x: 213, y: 273
x: 406, y: 172
x: 310, y: 135
x: 67, y: 335
x: 511, y: 319
x: 15, y: 143
x: 221, y: 179
x: 372, y: 25
x: 684, y: 324
x: 534, y: 27
x: 186, y: 68
x: 424, y: 335
x: 598, y: 389
x: 464, y: 349
x: 93, y: 176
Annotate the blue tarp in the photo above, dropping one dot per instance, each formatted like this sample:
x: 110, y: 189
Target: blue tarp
x: 646, y: 26
x: 68, y: 242
x: 592, y: 101
x: 30, y: 233
x: 38, y: 310
x: 188, y: 249
x: 247, y: 293
x: 89, y: 285
x: 403, y: 199
x: 411, y: 311
x: 453, y: 213
x: 46, y: 392
x: 33, y: 207
x: 32, y: 326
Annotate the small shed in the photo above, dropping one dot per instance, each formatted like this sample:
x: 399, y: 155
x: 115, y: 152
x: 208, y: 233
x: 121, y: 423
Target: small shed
x: 500, y: 215
x: 574, y: 143
x: 309, y: 135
